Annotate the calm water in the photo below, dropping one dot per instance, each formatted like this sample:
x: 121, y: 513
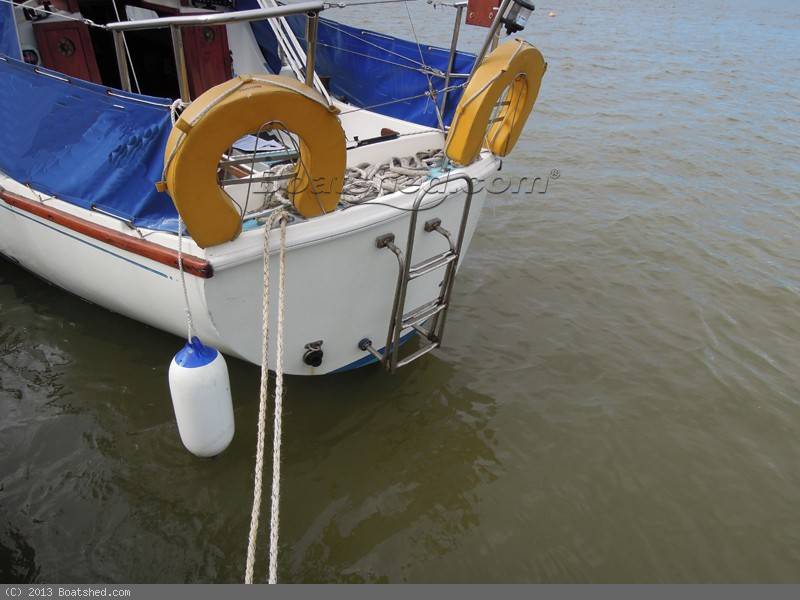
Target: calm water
x: 618, y: 399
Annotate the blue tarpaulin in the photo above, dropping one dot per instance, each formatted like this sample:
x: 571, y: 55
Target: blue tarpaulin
x: 370, y: 69
x: 8, y: 32
x: 84, y: 145
x: 104, y: 150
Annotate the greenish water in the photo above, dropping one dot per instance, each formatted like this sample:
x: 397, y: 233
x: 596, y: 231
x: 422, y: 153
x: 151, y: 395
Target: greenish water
x: 618, y: 398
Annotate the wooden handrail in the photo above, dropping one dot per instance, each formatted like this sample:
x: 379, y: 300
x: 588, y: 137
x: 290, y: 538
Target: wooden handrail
x: 192, y: 265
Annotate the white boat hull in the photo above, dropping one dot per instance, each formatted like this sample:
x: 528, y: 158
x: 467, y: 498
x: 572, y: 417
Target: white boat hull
x: 339, y: 286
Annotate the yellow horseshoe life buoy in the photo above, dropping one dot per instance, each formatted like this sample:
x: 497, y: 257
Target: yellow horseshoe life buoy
x: 225, y: 113
x: 515, y: 65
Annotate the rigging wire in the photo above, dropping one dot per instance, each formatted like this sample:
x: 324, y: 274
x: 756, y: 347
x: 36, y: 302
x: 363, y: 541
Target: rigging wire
x: 424, y: 68
x: 381, y: 48
x: 424, y: 94
x: 83, y: 20
x: 365, y: 3
x: 383, y: 60
x: 291, y: 47
x: 127, y: 50
x: 431, y: 90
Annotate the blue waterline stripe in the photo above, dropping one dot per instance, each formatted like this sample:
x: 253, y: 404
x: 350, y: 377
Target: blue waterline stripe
x: 95, y: 246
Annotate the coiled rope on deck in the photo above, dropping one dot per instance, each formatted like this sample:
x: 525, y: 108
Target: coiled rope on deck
x: 281, y: 218
x: 367, y: 181
x: 362, y: 182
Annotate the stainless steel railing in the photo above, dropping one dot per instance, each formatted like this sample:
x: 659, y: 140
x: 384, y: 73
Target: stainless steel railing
x: 176, y: 24
x: 451, y: 61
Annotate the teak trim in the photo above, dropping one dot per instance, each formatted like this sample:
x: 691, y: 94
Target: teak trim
x: 155, y: 252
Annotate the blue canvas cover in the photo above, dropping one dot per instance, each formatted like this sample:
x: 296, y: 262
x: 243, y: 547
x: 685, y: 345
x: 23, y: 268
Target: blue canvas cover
x: 103, y: 149
x: 76, y: 141
x: 370, y: 69
x: 9, y: 46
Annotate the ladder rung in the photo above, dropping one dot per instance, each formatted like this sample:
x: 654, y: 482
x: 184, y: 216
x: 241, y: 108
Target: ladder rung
x: 422, y: 313
x: 421, y: 352
x: 434, y: 311
x: 431, y: 264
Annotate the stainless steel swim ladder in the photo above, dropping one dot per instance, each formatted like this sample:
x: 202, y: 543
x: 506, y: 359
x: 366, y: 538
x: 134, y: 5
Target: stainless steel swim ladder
x: 428, y: 319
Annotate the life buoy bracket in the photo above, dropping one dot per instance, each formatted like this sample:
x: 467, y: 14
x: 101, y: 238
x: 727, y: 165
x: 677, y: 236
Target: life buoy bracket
x: 517, y: 66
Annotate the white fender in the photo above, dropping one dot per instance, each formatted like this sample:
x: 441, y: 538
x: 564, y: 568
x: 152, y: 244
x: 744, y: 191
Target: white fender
x: 201, y: 397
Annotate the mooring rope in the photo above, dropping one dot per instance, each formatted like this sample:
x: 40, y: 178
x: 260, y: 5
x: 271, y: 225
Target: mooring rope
x: 278, y: 421
x: 281, y: 217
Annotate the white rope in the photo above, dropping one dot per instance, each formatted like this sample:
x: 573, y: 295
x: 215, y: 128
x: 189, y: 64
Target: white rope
x: 277, y: 423
x: 175, y: 110
x: 366, y: 181
x: 262, y: 411
x: 189, y: 324
x: 188, y: 311
x: 362, y: 182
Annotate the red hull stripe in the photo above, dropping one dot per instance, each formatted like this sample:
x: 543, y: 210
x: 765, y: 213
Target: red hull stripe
x: 166, y: 256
